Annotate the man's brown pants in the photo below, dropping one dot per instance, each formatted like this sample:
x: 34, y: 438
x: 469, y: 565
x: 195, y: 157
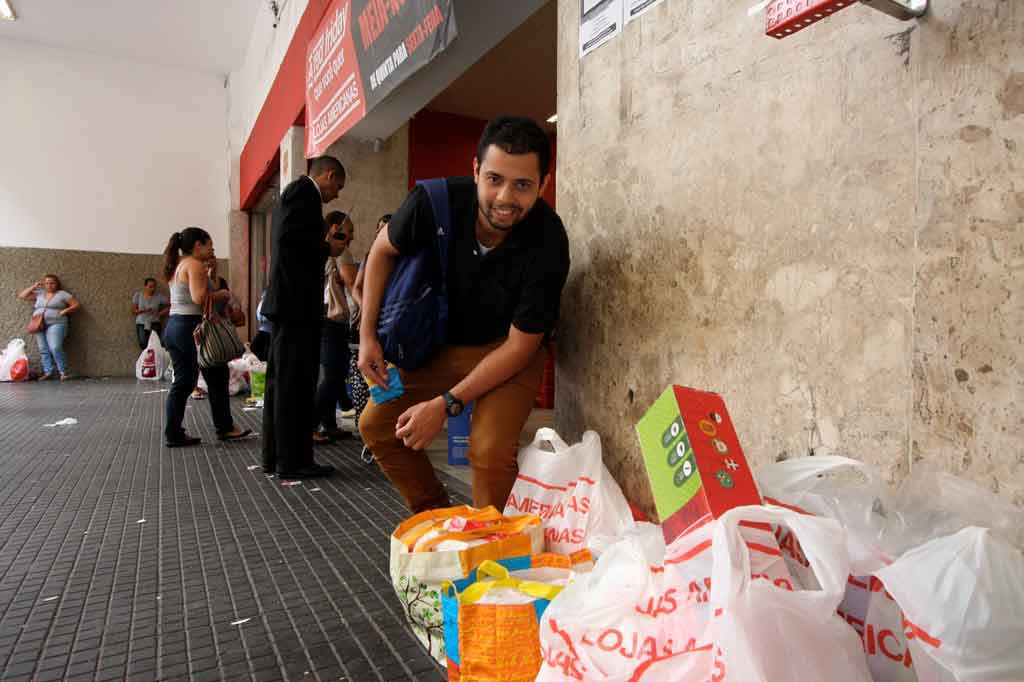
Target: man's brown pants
x: 498, y: 419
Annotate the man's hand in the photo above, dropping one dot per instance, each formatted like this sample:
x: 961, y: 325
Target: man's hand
x: 420, y: 423
x: 371, y: 361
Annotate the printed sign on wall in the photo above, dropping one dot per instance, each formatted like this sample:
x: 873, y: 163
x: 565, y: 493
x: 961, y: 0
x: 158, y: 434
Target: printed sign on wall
x: 362, y: 51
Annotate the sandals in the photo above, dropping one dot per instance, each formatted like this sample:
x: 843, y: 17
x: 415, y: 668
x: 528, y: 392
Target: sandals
x: 234, y: 436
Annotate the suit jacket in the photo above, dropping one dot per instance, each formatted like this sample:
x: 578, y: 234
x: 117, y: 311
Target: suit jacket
x: 298, y: 255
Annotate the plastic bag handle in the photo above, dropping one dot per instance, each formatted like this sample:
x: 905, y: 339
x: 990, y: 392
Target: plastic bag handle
x: 823, y: 541
x: 795, y: 474
x: 502, y: 526
x: 493, y: 569
x: 548, y: 435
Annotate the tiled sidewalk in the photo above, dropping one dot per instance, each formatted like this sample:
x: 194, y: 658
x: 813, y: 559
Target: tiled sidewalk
x: 120, y: 559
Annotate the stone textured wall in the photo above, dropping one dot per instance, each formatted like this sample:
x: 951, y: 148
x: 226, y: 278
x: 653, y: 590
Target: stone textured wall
x: 827, y: 230
x: 101, y: 339
x: 377, y: 183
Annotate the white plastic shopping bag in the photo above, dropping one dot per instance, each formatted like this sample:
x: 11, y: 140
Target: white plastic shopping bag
x: 963, y: 601
x: 153, y: 361
x: 763, y: 632
x: 14, y: 365
x: 238, y: 376
x: 621, y: 617
x: 849, y: 492
x: 570, y: 488
x: 838, y: 488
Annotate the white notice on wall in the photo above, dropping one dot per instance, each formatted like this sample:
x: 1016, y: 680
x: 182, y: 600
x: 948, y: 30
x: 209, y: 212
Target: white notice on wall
x: 635, y: 8
x: 600, y: 21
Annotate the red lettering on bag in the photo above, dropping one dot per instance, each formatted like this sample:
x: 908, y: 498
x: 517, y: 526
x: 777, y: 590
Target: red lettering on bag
x: 719, y: 673
x: 892, y: 655
x: 664, y: 604
x: 602, y: 640
x: 791, y: 546
x: 630, y: 654
x: 913, y: 631
x: 569, y: 663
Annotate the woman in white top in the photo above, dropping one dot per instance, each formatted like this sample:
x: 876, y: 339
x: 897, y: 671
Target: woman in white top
x: 54, y: 304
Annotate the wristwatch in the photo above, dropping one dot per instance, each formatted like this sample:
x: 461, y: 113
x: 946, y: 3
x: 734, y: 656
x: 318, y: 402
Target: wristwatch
x: 452, y: 405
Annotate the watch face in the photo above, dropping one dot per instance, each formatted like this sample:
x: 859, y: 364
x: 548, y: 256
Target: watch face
x: 454, y: 406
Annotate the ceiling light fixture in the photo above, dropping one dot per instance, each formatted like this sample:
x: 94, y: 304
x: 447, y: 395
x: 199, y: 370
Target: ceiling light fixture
x: 6, y: 11
x: 553, y: 118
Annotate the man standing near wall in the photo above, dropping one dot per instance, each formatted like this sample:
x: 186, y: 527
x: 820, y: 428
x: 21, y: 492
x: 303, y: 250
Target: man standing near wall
x: 294, y: 303
x: 508, y: 262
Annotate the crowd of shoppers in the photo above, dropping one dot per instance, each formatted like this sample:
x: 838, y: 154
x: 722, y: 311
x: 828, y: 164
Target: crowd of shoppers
x: 317, y: 320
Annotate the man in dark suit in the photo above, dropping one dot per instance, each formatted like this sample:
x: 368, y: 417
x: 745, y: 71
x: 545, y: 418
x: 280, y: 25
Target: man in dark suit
x: 295, y: 304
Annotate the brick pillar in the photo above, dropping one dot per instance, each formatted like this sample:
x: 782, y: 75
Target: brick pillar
x: 238, y: 277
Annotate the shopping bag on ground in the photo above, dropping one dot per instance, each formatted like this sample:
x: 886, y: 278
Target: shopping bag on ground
x: 962, y: 602
x: 238, y: 372
x: 622, y: 616
x: 570, y: 488
x: 14, y: 365
x: 446, y: 545
x: 763, y: 632
x: 153, y: 361
x: 491, y: 618
x: 849, y: 492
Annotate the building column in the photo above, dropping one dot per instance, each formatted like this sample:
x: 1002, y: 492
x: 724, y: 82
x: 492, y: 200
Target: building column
x: 293, y: 155
x: 238, y: 275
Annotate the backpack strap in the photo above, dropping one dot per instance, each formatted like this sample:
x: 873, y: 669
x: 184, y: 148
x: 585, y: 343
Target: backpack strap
x: 437, y: 192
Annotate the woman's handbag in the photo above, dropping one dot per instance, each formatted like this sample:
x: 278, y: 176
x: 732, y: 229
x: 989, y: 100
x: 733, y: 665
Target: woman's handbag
x: 337, y: 306
x: 36, y: 324
x: 217, y: 341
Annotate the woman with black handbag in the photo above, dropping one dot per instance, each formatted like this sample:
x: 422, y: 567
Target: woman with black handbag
x: 192, y: 322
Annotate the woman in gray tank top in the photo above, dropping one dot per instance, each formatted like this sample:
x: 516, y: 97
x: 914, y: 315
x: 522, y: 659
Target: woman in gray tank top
x: 185, y: 269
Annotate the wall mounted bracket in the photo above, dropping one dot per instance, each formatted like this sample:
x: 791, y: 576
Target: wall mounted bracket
x: 904, y: 10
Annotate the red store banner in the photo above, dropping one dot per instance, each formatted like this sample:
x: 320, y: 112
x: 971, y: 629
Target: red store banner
x: 361, y: 51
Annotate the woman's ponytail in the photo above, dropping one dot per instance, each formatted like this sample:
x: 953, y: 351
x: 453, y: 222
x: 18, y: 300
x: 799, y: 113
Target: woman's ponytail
x: 172, y: 254
x: 182, y: 243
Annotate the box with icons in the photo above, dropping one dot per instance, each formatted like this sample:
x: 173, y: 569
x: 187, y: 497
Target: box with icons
x: 693, y: 459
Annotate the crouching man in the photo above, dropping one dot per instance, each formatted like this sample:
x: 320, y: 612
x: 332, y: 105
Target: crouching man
x: 508, y: 262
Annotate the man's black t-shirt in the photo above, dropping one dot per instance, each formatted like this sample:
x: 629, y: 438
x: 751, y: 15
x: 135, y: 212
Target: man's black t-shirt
x: 517, y: 283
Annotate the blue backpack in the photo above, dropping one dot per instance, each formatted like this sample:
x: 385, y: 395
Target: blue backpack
x: 413, y: 321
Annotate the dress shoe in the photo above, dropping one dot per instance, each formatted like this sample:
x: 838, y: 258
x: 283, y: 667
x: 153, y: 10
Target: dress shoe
x: 310, y: 471
x: 336, y: 433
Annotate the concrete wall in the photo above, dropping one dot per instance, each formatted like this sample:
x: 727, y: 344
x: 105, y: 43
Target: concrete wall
x: 102, y: 154
x: 249, y: 85
x: 377, y: 183
x: 826, y: 229
x: 101, y: 339
x: 101, y: 162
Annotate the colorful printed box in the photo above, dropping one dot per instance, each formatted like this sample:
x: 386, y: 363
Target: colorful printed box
x: 693, y: 459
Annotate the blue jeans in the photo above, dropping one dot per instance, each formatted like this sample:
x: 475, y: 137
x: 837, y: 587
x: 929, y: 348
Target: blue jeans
x: 334, y: 372
x: 51, y: 346
x: 182, y: 347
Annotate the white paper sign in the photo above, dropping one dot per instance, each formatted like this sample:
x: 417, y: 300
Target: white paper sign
x: 637, y: 8
x: 600, y: 21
